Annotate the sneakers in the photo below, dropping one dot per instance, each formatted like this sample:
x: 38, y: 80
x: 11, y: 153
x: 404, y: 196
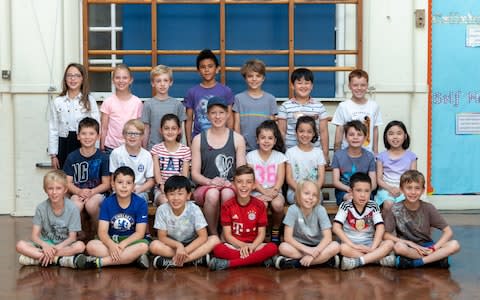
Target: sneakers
x: 333, y: 262
x: 282, y: 262
x: 217, y: 264
x: 71, y: 261
x: 403, y: 262
x: 88, y: 262
x: 28, y: 261
x: 270, y: 262
x: 160, y: 262
x: 202, y: 261
x: 388, y: 261
x: 349, y: 263
x: 443, y: 263
x: 143, y: 262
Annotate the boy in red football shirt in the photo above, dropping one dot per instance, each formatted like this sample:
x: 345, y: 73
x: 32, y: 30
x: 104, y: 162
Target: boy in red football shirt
x: 244, y: 222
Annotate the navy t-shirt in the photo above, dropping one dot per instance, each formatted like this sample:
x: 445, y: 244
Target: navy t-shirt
x: 87, y: 172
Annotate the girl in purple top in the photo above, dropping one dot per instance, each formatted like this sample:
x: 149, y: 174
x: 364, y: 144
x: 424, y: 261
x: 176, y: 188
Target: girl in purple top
x: 392, y: 163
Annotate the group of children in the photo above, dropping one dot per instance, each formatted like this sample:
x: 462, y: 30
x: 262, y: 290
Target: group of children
x: 233, y: 189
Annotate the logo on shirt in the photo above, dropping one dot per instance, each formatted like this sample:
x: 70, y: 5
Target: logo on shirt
x: 252, y: 215
x: 141, y: 168
x: 122, y: 222
x: 235, y: 217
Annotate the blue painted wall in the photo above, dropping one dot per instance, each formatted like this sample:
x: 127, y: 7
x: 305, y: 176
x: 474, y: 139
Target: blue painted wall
x: 247, y: 27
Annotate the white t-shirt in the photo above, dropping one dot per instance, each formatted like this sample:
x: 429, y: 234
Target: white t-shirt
x: 142, y: 164
x: 304, y: 165
x: 368, y: 113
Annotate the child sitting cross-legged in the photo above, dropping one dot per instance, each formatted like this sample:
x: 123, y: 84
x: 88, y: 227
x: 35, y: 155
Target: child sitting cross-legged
x: 182, y: 228
x: 412, y: 221
x: 308, y: 234
x: 244, y: 222
x: 121, y: 227
x: 55, y: 226
x: 359, y: 225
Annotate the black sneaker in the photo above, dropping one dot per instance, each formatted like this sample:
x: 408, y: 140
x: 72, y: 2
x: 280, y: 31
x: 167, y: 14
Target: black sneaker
x: 88, y: 262
x: 443, y: 263
x: 281, y: 263
x: 160, y: 262
x: 143, y: 262
x: 333, y: 262
x: 202, y: 261
x: 217, y: 264
x: 403, y: 263
x: 270, y: 262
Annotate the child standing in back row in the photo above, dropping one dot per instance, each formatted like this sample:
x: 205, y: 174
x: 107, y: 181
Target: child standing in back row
x: 303, y: 105
x: 72, y: 105
x: 392, y: 163
x: 254, y: 105
x: 117, y: 109
x: 161, y: 104
x: 358, y: 108
x: 197, y: 97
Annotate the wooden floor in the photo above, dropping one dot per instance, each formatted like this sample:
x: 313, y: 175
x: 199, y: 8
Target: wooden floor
x: 461, y: 281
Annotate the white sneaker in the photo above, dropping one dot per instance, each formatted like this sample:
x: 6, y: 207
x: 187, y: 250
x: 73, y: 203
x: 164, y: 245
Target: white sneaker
x: 28, y: 261
x: 348, y: 263
x: 388, y: 261
x: 67, y: 261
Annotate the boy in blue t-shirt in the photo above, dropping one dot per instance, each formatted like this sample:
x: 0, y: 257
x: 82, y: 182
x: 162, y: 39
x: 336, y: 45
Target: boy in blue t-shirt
x: 351, y: 160
x: 182, y: 228
x: 197, y: 96
x: 88, y: 177
x: 122, y: 225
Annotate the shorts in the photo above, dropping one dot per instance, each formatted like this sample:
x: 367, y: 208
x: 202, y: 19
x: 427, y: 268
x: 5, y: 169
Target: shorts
x: 201, y: 191
x: 117, y: 239
x: 383, y: 195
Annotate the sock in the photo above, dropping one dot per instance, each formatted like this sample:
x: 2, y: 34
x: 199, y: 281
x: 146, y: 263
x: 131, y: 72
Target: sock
x: 361, y: 261
x: 417, y: 262
x: 257, y: 257
x: 56, y: 260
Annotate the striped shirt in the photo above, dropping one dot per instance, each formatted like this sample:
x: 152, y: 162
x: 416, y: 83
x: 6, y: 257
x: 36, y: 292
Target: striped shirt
x: 172, y: 163
x: 291, y: 110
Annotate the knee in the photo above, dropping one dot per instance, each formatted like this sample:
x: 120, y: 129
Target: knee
x: 20, y: 246
x: 213, y: 240
x: 455, y: 246
x: 227, y: 194
x: 399, y: 247
x: 79, y: 246
x: 388, y: 243
x: 212, y: 197
x: 335, y: 246
x: 283, y: 248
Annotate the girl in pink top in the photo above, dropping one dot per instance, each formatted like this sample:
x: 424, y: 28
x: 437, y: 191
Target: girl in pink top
x: 118, y: 109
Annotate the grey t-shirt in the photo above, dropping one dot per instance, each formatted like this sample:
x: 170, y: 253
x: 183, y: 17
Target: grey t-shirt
x: 351, y: 165
x: 307, y: 229
x: 152, y: 113
x: 414, y: 225
x: 253, y: 111
x: 56, y: 228
x: 181, y: 228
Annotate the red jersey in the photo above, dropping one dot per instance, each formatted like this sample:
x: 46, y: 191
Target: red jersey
x: 244, y: 220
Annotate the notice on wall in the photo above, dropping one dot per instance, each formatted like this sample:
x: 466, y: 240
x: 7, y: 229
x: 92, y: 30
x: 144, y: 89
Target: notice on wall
x: 473, y: 36
x: 468, y: 123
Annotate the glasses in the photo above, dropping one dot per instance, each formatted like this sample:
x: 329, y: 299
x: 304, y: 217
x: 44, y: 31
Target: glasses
x: 70, y: 76
x: 133, y: 134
